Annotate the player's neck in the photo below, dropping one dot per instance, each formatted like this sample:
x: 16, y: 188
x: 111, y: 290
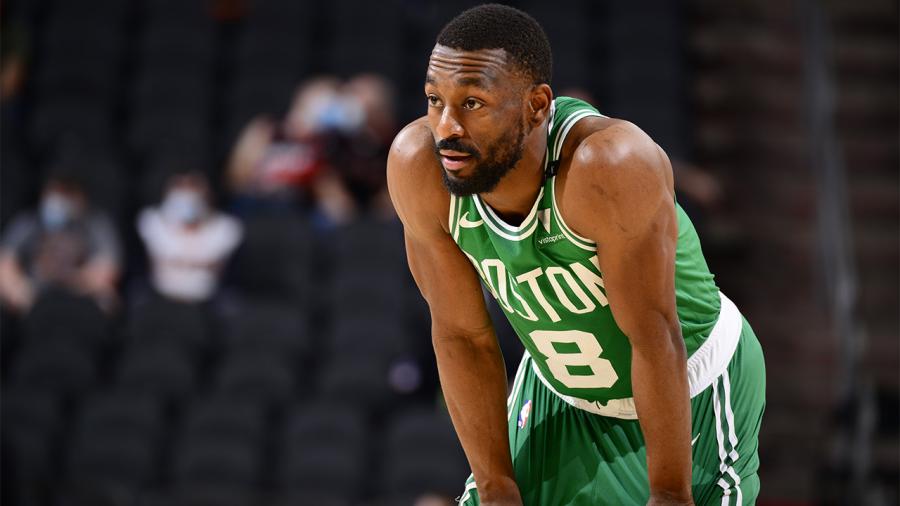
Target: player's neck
x: 514, y: 196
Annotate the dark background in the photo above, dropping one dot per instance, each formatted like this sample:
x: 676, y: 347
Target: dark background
x: 782, y: 121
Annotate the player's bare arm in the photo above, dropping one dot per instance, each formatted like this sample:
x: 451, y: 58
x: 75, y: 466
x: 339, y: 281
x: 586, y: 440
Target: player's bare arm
x: 619, y: 193
x: 469, y: 362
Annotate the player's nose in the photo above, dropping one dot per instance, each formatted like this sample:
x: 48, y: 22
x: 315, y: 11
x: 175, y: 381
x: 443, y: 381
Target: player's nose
x: 448, y: 127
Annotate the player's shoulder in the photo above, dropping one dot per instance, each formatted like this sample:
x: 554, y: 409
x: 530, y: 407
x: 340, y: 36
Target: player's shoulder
x: 612, y: 151
x: 414, y: 175
x: 614, y: 169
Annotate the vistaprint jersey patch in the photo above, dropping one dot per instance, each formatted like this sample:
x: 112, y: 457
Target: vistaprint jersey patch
x: 524, y: 413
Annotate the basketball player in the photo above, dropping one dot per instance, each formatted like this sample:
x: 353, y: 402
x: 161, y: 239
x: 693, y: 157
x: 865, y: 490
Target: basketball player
x: 641, y: 383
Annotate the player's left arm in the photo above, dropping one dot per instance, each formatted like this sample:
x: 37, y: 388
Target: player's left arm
x: 620, y: 191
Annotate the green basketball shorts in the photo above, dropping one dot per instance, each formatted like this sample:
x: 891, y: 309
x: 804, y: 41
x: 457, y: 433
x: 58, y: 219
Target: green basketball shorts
x: 563, y: 455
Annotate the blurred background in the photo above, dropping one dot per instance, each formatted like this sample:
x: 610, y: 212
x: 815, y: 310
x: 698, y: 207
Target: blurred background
x: 204, y: 292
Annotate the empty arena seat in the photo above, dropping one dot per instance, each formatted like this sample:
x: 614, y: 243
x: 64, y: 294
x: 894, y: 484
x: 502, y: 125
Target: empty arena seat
x: 60, y: 315
x: 261, y: 324
x: 381, y: 335
x: 358, y: 379
x: 100, y: 460
x: 227, y: 418
x: 273, y: 260
x: 214, y: 461
x: 176, y: 13
x: 180, y: 43
x: 161, y: 370
x: 319, y: 499
x: 120, y: 412
x: 160, y: 320
x: 30, y: 422
x: 56, y: 366
x: 423, y: 454
x: 323, y: 449
x: 263, y: 376
x: 52, y: 121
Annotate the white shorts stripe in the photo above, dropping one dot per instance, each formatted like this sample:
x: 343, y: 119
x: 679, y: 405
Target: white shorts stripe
x: 720, y: 439
x: 732, y: 434
x: 517, y: 386
x: 467, y: 493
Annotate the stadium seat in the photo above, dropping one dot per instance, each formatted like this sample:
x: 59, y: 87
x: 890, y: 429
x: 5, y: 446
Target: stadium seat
x: 178, y: 43
x: 159, y: 320
x: 369, y: 292
x: 381, y: 335
x: 273, y: 261
x: 358, y: 379
x: 162, y: 90
x: 53, y: 121
x: 260, y: 324
x: 56, y: 366
x: 159, y: 370
x: 319, y: 499
x: 119, y: 412
x: 323, y: 449
x: 31, y: 422
x: 224, y: 417
x: 423, y: 454
x: 207, y: 461
x: 262, y: 376
x: 101, y: 460
x: 59, y: 315
x: 176, y: 13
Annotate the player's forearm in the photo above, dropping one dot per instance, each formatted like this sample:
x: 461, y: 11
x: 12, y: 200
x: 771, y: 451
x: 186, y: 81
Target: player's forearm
x: 662, y: 399
x: 473, y: 379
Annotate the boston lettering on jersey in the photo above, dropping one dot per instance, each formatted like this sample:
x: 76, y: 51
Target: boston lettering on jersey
x: 548, y: 281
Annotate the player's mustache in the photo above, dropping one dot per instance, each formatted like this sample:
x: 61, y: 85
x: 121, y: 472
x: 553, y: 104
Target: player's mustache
x: 455, y: 145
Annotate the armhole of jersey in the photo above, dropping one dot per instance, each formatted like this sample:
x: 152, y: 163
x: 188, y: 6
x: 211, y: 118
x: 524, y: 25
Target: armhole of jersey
x: 451, y: 219
x: 582, y: 242
x: 567, y: 125
x: 455, y: 204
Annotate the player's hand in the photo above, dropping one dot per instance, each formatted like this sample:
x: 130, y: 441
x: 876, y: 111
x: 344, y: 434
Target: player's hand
x: 504, y: 493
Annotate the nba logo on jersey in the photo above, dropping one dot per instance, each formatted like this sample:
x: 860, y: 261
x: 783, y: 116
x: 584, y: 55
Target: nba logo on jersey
x: 524, y: 413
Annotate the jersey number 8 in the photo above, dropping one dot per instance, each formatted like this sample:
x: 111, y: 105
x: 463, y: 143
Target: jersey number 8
x: 586, y: 358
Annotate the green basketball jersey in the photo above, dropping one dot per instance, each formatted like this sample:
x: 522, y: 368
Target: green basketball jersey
x: 548, y: 281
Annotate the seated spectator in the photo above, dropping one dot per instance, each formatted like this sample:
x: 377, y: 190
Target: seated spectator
x: 65, y: 245
x: 329, y: 151
x: 187, y: 239
x: 274, y: 162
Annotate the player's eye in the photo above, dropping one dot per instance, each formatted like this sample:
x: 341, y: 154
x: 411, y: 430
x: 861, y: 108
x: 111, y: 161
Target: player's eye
x: 433, y: 101
x: 472, y: 104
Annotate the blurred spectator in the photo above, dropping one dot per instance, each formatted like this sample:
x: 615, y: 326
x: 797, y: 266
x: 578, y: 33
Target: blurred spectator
x: 187, y: 239
x: 360, y: 153
x: 273, y: 161
x: 329, y: 151
x: 13, y: 56
x: 66, y: 245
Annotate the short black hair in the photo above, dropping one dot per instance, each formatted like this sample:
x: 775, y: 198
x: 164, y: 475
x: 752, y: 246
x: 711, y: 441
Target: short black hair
x: 495, y: 26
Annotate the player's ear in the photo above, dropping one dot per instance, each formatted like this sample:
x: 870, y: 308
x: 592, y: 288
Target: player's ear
x: 539, y: 100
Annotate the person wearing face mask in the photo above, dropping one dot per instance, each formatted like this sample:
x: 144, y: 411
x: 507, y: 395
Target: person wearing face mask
x: 187, y: 240
x: 65, y: 245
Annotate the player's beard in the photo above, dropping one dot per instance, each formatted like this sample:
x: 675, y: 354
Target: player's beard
x: 501, y: 157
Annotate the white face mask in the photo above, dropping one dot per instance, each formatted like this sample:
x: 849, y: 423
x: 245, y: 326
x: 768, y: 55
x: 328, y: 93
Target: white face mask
x: 56, y: 211
x: 183, y: 206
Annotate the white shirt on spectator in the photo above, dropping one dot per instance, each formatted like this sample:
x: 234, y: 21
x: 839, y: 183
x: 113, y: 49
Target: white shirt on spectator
x: 187, y: 261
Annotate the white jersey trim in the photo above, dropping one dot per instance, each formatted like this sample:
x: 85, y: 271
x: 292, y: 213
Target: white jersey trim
x: 513, y: 233
x: 706, y: 364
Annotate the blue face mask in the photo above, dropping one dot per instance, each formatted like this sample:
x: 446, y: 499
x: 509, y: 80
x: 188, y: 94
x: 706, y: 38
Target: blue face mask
x: 341, y: 113
x: 183, y: 206
x: 56, y: 211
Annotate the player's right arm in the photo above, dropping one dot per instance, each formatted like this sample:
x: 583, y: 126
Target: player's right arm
x: 469, y: 362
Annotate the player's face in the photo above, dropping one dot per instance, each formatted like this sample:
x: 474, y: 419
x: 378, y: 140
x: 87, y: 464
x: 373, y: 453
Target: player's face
x: 475, y: 110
